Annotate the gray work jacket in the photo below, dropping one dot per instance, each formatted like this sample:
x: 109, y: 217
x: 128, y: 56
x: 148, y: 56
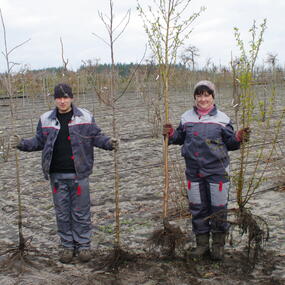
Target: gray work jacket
x: 205, y: 142
x: 84, y: 135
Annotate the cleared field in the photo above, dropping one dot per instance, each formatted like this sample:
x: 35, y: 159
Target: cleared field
x: 141, y: 184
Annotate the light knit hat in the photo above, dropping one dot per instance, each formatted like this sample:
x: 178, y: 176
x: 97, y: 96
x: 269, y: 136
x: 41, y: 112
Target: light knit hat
x: 207, y: 83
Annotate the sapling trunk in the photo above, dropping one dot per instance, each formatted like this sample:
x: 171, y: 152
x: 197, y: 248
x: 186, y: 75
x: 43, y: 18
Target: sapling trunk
x: 245, y: 122
x: 114, y: 125
x: 165, y: 150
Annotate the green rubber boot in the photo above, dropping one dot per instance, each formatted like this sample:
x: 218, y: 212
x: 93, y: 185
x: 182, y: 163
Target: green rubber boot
x: 218, y: 246
x: 202, y: 247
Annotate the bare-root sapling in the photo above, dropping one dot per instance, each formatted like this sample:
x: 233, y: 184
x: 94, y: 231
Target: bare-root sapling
x: 167, y: 29
x: 252, y: 165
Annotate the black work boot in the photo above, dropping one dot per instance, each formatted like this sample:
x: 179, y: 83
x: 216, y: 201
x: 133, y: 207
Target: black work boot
x: 202, y: 248
x: 218, y: 246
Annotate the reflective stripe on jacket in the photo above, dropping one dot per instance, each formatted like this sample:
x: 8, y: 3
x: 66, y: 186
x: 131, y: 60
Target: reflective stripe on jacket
x: 205, y: 142
x: 84, y: 135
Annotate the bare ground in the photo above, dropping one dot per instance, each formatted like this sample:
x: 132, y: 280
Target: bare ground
x: 141, y: 209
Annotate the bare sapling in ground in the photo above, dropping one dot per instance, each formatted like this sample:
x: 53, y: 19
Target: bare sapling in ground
x: 118, y: 255
x: 17, y: 255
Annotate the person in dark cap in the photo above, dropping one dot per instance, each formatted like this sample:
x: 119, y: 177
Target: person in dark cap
x: 206, y: 135
x: 66, y: 136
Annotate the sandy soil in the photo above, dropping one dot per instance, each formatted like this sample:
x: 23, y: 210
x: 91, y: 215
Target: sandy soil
x: 141, y: 187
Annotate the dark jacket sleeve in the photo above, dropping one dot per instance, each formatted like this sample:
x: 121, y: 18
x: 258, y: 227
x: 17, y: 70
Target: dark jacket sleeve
x: 35, y: 143
x: 179, y: 136
x: 99, y: 139
x: 229, y: 137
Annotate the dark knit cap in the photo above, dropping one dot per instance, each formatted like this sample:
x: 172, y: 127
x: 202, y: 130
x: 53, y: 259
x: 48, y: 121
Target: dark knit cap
x: 62, y: 90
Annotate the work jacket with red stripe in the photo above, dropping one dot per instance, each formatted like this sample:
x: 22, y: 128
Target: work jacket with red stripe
x: 84, y: 135
x: 205, y: 142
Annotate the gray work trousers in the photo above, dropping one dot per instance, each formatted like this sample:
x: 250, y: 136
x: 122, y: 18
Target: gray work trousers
x: 208, y: 196
x: 71, y: 199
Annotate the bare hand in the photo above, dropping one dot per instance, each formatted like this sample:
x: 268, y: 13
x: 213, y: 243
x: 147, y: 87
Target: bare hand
x: 243, y: 135
x: 14, y: 141
x: 115, y: 143
x: 167, y: 130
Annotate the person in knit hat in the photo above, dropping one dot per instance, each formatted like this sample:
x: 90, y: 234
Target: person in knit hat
x: 66, y: 136
x: 206, y: 135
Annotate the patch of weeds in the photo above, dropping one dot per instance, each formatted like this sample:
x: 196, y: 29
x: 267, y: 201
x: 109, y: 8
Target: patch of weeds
x: 108, y: 229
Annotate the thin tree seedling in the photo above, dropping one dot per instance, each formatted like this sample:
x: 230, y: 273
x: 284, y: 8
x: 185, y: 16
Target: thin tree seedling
x: 118, y: 256
x: 19, y: 253
x: 167, y: 29
x: 247, y: 179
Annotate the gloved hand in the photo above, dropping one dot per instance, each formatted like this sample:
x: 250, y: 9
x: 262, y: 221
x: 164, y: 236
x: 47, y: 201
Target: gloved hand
x: 114, y: 142
x: 243, y: 135
x: 168, y: 130
x: 14, y: 141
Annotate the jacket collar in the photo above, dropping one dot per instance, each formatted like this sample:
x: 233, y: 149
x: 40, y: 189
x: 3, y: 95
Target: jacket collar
x: 213, y: 112
x: 76, y: 112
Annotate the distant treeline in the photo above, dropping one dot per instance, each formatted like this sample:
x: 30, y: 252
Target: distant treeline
x: 94, y: 75
x: 123, y: 69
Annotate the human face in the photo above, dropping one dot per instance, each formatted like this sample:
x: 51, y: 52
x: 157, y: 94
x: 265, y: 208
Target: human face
x: 63, y: 104
x: 204, y: 101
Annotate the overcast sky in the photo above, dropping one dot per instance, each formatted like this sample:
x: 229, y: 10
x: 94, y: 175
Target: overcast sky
x: 44, y: 22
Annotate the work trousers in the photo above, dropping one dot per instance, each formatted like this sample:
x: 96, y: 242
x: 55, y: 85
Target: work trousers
x: 208, y: 199
x: 72, y: 208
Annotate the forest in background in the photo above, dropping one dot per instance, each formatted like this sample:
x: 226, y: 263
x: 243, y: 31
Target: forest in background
x: 95, y: 75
